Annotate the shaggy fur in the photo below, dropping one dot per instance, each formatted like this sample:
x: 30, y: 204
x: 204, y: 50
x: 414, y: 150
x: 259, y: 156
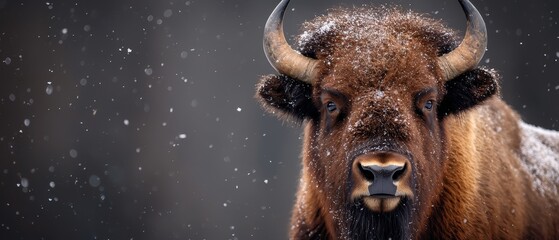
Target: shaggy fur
x: 473, y: 169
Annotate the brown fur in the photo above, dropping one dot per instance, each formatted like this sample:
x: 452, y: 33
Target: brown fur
x: 470, y: 179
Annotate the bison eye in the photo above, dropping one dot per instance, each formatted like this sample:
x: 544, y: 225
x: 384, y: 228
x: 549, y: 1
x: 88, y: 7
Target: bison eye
x: 429, y: 105
x: 331, y: 106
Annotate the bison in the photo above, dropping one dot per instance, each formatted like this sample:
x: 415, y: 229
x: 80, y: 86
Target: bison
x: 405, y: 136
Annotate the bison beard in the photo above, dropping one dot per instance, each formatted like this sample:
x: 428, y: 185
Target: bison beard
x: 364, y: 224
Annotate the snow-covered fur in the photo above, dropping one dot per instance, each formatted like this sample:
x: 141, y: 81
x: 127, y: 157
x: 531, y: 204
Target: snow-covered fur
x: 474, y: 170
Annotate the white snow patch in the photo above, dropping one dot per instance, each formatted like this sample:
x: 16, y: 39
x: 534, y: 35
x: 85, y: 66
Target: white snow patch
x: 306, y: 36
x: 326, y: 27
x: 379, y: 95
x: 540, y: 157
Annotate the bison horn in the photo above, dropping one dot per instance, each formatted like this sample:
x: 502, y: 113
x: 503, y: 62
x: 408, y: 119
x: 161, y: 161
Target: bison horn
x: 470, y: 51
x: 280, y: 55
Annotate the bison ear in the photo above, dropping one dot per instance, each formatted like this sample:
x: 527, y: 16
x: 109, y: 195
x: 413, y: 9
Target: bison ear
x: 468, y: 90
x: 286, y: 97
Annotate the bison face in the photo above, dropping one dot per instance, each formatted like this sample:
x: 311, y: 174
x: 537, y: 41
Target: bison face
x: 385, y: 127
x: 376, y: 137
x: 374, y: 88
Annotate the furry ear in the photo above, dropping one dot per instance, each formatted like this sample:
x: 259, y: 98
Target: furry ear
x: 468, y: 90
x: 286, y: 97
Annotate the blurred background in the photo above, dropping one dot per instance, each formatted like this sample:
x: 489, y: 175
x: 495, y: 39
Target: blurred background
x: 136, y: 119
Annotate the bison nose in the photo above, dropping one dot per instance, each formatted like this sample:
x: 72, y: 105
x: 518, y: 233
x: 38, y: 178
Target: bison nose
x: 381, y: 172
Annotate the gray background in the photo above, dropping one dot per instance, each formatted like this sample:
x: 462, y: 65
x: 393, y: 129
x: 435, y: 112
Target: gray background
x: 165, y: 140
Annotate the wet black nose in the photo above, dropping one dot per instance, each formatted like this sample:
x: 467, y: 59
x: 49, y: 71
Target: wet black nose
x: 390, y: 172
x: 382, y: 178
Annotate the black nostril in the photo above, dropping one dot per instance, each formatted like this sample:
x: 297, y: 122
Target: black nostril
x: 367, y: 173
x: 399, y: 173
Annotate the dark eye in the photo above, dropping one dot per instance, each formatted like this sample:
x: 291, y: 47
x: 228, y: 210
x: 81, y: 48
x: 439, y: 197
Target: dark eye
x: 429, y: 105
x: 331, y: 106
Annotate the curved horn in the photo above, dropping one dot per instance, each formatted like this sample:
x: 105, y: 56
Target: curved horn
x: 280, y: 55
x: 470, y: 51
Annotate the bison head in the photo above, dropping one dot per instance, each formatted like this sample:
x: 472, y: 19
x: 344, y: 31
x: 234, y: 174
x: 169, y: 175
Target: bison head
x: 374, y: 88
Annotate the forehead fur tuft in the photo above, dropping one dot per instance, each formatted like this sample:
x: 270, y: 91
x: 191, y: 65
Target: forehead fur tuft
x: 370, y: 30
